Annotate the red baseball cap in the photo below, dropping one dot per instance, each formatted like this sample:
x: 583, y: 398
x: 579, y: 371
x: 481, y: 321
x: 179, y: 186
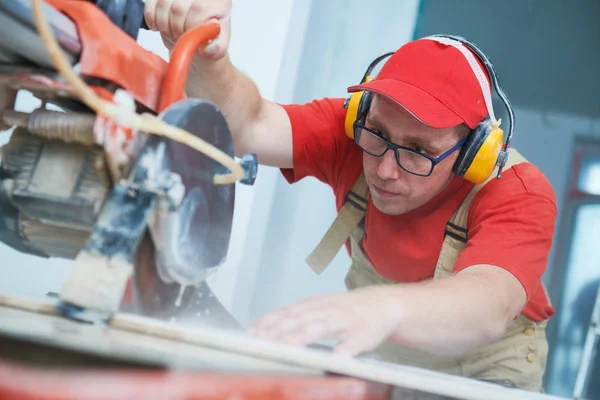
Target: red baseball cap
x: 434, y: 82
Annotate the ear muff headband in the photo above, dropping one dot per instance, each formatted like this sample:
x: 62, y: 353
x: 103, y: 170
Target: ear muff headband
x: 484, y: 148
x: 359, y: 102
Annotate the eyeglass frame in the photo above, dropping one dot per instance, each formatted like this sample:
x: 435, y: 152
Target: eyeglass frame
x: 394, y: 147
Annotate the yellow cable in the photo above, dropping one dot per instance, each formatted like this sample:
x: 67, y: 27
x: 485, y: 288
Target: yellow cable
x: 142, y: 122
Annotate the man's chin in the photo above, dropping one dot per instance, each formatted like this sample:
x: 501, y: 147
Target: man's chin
x: 389, y: 206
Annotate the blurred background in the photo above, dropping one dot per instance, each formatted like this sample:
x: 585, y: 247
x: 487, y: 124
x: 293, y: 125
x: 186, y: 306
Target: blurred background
x: 547, y: 55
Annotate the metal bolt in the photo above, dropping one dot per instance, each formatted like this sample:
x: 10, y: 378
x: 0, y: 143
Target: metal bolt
x: 250, y: 164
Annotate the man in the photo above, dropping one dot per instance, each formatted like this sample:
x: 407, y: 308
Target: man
x: 446, y: 273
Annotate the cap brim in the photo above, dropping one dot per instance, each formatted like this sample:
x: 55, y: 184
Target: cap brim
x: 416, y: 101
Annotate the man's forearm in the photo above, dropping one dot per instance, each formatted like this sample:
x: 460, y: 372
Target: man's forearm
x: 451, y: 316
x: 234, y: 93
x: 257, y: 126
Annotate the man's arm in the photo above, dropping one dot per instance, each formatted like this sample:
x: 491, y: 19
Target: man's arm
x: 453, y: 315
x: 511, y: 226
x: 444, y: 317
x: 258, y: 125
x: 459, y: 313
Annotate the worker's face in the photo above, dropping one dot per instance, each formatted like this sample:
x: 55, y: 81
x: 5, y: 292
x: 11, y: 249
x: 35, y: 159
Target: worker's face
x: 393, y: 190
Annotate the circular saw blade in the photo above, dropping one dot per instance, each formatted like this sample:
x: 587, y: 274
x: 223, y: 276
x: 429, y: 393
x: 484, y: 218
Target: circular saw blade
x: 184, y: 244
x: 193, y: 240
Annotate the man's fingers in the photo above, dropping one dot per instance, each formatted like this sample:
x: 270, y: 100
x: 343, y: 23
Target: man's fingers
x: 314, y: 319
x: 177, y: 17
x: 197, y: 16
x: 297, y: 329
x: 327, y: 327
x: 174, y: 17
x: 355, y: 344
x: 305, y: 323
x: 163, y: 9
x: 150, y: 14
x: 274, y: 319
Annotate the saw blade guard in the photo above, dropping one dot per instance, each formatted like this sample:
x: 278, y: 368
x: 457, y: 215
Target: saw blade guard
x: 191, y: 223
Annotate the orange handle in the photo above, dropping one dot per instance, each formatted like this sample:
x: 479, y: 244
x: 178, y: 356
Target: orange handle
x: 181, y: 58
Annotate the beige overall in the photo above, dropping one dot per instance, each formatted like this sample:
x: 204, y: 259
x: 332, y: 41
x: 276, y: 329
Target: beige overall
x: 516, y: 360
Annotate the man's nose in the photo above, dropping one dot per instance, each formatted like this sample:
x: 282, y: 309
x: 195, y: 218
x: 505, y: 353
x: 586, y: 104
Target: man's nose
x: 388, y: 167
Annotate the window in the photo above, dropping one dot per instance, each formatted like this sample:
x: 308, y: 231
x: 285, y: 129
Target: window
x: 577, y: 274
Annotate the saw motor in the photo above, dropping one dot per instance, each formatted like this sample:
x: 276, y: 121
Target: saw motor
x: 53, y: 189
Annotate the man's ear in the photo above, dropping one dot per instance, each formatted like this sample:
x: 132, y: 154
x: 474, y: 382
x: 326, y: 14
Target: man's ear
x: 463, y: 131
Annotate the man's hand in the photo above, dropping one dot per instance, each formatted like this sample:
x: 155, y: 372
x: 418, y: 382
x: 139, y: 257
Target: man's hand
x: 174, y: 17
x: 447, y: 316
x: 359, y: 319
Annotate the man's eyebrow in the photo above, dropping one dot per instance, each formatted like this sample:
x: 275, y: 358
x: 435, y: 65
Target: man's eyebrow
x: 423, y: 143
x: 409, y: 139
x: 374, y: 122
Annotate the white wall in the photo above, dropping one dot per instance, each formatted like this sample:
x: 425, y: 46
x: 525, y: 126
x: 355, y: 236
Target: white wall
x: 266, y: 45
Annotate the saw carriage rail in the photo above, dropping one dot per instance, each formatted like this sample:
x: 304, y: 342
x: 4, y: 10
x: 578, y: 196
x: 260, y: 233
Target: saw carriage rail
x: 116, y: 169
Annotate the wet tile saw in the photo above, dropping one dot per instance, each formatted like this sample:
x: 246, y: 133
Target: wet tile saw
x: 118, y: 171
x: 97, y: 173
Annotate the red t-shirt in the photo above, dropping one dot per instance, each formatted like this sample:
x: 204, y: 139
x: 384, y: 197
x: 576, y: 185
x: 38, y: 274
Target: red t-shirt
x: 511, y: 220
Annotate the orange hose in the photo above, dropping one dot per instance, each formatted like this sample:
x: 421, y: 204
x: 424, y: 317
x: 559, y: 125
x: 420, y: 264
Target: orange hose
x: 181, y: 58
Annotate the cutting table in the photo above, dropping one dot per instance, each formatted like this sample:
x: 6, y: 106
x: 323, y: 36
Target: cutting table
x: 45, y: 356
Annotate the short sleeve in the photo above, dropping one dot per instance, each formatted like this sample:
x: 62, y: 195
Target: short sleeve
x: 319, y: 140
x: 511, y: 226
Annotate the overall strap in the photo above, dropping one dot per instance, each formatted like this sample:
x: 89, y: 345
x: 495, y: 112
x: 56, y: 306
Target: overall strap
x: 456, y: 232
x: 352, y: 212
x: 459, y: 218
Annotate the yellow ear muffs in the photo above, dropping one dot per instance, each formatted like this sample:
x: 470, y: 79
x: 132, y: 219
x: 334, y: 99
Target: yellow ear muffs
x: 356, y: 105
x: 352, y: 107
x: 478, y: 156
